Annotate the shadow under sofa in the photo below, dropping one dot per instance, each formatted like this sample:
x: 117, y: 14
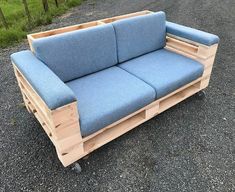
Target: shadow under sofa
x: 87, y: 87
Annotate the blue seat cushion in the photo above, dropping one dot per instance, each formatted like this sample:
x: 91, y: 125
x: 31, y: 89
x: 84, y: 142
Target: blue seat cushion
x: 192, y: 34
x: 139, y: 35
x: 74, y: 54
x: 107, y: 96
x: 164, y: 70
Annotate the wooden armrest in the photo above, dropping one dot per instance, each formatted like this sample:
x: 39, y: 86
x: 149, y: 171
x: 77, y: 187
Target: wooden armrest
x: 201, y: 53
x: 60, y: 124
x: 189, y: 48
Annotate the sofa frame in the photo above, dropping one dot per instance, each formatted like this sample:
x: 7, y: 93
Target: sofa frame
x: 62, y: 124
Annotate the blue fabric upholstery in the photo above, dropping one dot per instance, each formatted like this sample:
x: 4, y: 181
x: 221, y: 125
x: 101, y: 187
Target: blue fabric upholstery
x: 75, y: 54
x: 165, y: 71
x: 107, y: 96
x: 191, y: 34
x: 139, y: 35
x: 52, y: 90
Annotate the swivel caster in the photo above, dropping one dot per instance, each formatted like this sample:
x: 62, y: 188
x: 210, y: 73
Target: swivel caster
x: 201, y: 95
x: 77, y: 168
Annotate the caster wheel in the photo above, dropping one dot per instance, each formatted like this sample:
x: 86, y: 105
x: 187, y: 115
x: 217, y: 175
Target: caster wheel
x: 201, y: 95
x: 77, y: 168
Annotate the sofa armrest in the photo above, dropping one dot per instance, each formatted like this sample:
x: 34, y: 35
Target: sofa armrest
x: 195, y: 44
x: 195, y: 35
x: 54, y: 92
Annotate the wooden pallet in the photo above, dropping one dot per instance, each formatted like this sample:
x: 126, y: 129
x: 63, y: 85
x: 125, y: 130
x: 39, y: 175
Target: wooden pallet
x: 62, y: 124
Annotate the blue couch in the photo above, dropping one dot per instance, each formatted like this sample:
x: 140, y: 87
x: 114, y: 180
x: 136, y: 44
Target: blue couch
x: 112, y: 70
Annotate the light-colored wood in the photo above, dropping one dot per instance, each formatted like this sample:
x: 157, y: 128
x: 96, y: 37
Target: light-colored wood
x: 62, y: 124
x: 30, y: 41
x: 116, y: 18
x: 32, y: 37
x: 190, y: 49
x: 201, y: 53
x: 64, y: 29
x: 59, y: 124
x: 126, y: 124
x: 181, y: 45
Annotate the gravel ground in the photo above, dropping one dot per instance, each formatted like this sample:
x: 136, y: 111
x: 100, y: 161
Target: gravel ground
x: 190, y: 147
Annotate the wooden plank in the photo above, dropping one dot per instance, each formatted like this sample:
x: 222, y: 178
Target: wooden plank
x: 178, y: 97
x: 180, y: 52
x: 30, y: 41
x: 151, y: 111
x: 112, y: 19
x: 48, y: 33
x: 59, y: 124
x: 196, y: 50
x: 205, y: 82
x: 69, y: 114
x: 31, y: 91
x: 33, y: 36
x: 181, y: 45
x: 25, y: 99
x: 68, y: 158
x: 64, y: 29
x: 207, y: 62
x: 207, y: 51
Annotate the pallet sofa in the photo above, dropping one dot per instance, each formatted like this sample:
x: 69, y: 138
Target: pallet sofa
x: 90, y: 83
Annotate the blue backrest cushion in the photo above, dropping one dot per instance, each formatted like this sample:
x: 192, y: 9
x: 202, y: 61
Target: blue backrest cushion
x: 75, y: 54
x: 140, y: 35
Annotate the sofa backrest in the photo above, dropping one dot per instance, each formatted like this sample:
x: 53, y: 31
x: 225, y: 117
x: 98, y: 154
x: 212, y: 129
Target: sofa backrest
x: 74, y: 54
x: 140, y: 35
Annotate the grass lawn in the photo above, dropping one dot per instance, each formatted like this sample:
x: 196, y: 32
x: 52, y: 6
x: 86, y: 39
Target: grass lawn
x: 17, y: 20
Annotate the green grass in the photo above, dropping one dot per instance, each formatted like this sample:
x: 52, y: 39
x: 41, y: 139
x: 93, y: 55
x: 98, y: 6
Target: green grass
x: 17, y: 21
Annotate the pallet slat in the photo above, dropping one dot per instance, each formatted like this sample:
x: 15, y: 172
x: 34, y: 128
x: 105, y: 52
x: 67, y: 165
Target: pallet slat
x: 52, y: 32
